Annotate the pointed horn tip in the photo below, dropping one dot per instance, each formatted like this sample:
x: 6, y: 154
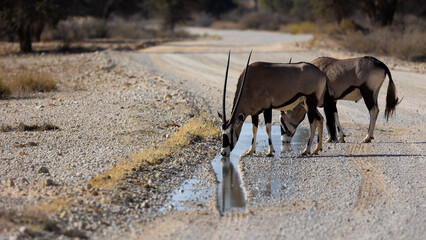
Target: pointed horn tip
x: 224, y: 88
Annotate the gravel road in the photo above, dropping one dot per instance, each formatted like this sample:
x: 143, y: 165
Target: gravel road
x: 349, y: 191
x: 111, y: 104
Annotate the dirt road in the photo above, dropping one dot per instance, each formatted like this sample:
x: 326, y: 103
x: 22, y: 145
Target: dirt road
x: 127, y: 162
x: 349, y: 191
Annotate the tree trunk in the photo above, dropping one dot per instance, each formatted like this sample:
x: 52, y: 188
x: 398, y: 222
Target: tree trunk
x: 387, y: 12
x: 380, y: 12
x: 24, y: 34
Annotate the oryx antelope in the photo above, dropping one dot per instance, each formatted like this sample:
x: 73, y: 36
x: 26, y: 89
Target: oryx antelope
x: 265, y: 86
x: 347, y: 79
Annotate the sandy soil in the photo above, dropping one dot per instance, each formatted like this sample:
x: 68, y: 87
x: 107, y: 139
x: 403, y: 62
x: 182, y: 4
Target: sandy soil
x: 111, y: 104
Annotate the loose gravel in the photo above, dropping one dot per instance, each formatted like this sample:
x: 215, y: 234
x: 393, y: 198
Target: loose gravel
x: 106, y: 108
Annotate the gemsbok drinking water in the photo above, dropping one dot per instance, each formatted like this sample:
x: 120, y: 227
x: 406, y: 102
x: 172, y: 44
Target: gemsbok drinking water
x: 347, y: 79
x: 265, y: 86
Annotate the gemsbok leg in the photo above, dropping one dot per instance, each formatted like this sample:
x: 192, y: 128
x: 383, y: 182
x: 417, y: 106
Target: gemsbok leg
x: 339, y: 127
x: 316, y: 121
x: 268, y: 120
x: 370, y: 99
x: 255, y: 124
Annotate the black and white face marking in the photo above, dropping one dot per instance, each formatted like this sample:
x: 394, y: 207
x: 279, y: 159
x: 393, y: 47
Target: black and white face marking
x: 230, y: 133
x: 287, y: 130
x: 229, y: 140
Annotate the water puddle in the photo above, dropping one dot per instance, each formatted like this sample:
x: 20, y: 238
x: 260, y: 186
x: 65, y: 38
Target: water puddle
x: 191, y: 195
x: 230, y: 191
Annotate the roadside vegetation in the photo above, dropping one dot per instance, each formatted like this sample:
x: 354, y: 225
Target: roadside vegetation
x: 196, y: 129
x: 388, y: 27
x: 25, y: 82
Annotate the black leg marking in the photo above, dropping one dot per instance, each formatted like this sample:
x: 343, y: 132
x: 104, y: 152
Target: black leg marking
x: 282, y: 125
x: 367, y: 94
x: 330, y: 109
x: 268, y: 115
x: 255, y: 120
x: 312, y: 107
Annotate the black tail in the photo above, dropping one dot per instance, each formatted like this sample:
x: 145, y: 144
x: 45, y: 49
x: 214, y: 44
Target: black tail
x: 391, y: 98
x: 330, y: 109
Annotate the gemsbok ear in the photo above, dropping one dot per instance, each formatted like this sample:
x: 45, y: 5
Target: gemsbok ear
x: 241, y: 117
x: 220, y: 115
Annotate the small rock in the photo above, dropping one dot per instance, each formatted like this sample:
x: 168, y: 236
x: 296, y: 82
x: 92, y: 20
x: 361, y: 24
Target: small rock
x: 49, y: 182
x: 51, y: 226
x: 10, y: 182
x: 26, y: 231
x: 88, y: 186
x: 167, y: 97
x: 43, y: 170
x: 145, y: 204
x: 63, y: 215
x: 75, y: 233
x: 25, y: 181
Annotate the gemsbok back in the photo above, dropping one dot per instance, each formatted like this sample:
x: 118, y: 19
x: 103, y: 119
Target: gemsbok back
x: 265, y: 86
x: 347, y: 79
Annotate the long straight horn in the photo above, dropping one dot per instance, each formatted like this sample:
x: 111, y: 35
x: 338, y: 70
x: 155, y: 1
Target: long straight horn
x: 242, y: 86
x: 224, y: 89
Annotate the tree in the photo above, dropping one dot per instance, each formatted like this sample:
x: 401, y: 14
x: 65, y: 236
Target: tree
x: 104, y: 8
x: 26, y: 17
x: 380, y: 12
x: 299, y: 9
x: 217, y: 7
x: 174, y: 12
x: 279, y: 6
x: 332, y: 10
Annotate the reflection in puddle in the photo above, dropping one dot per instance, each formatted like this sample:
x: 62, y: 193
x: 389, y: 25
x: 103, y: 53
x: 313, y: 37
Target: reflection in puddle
x: 298, y: 142
x: 230, y: 192
x: 231, y: 197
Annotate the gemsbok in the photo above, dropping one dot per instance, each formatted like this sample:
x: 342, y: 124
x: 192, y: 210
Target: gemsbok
x: 347, y: 79
x: 265, y: 86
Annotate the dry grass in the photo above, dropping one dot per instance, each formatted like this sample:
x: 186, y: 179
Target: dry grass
x: 404, y: 39
x: 261, y: 20
x: 303, y: 27
x: 25, y: 82
x: 404, y: 45
x: 197, y: 128
x: 77, y: 30
x: 29, y: 128
x: 34, y: 218
x: 4, y: 89
x: 28, y: 82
